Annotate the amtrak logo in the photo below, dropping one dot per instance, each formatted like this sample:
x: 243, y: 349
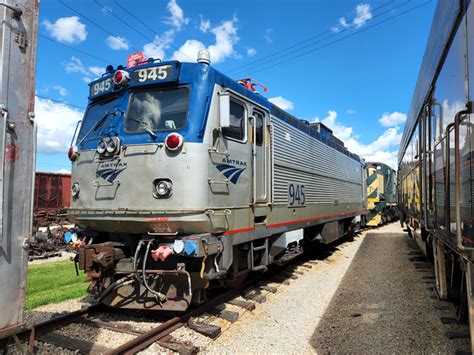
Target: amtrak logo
x: 110, y: 171
x: 230, y: 170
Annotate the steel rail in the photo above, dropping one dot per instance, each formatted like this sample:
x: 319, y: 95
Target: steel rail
x: 156, y: 334
x: 32, y: 331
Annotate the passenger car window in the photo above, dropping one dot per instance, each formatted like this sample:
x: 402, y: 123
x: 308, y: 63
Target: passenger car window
x: 237, y: 122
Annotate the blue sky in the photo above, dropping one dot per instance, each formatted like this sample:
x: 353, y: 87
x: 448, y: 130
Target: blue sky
x: 351, y: 64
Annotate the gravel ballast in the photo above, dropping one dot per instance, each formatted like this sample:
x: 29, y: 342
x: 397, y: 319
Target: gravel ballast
x: 368, y: 296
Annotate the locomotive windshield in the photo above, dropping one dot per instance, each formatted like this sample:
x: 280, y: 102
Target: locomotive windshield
x: 98, y: 117
x: 163, y: 110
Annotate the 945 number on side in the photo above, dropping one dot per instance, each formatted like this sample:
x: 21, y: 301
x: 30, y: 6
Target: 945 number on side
x: 296, y: 195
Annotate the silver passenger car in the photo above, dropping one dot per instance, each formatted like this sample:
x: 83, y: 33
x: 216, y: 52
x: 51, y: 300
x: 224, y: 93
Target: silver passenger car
x: 435, y: 183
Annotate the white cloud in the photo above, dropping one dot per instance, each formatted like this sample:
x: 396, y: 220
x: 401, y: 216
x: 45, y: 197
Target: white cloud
x: 343, y: 22
x: 363, y: 14
x: 251, y: 52
x: 205, y: 25
x: 67, y: 29
x: 56, y: 124
x: 282, y: 103
x: 225, y: 38
x: 267, y: 35
x: 156, y: 49
x: 351, y: 111
x: 383, y: 149
x: 392, y: 119
x: 97, y: 71
x: 177, y: 18
x: 63, y: 171
x: 117, y: 43
x: 106, y: 9
x: 61, y: 91
x: 188, y: 50
x: 75, y: 66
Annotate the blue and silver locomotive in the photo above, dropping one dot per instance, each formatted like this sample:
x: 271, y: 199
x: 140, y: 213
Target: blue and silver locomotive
x: 183, y: 178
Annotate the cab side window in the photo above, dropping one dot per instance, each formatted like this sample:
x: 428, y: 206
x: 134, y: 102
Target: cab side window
x: 258, y: 126
x: 237, y: 122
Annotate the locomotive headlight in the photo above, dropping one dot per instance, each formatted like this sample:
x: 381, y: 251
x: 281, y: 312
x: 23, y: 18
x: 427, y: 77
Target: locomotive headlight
x: 75, y: 189
x: 164, y: 188
x: 102, y: 147
x: 112, y: 145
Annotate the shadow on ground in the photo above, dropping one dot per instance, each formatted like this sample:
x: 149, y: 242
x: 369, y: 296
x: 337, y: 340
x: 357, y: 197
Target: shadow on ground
x: 386, y: 303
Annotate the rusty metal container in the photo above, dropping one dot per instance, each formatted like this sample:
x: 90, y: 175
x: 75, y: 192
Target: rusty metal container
x: 52, y: 192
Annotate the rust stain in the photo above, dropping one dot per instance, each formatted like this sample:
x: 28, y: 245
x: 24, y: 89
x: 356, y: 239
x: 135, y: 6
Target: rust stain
x: 12, y: 153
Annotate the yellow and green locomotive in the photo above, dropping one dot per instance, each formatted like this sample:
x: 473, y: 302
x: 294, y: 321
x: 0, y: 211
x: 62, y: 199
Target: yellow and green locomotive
x: 381, y: 194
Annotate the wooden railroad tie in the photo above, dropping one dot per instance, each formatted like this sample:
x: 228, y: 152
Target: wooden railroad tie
x: 65, y: 342
x: 249, y: 306
x: 221, y: 312
x: 254, y: 296
x: 179, y: 347
x: 209, y: 330
x: 271, y: 289
x: 280, y: 279
x: 289, y: 274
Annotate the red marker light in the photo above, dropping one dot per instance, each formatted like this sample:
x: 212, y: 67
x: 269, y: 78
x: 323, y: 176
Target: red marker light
x: 73, y: 153
x: 173, y: 141
x: 118, y: 77
x: 121, y: 78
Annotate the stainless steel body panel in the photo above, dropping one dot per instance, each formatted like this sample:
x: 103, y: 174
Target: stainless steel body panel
x: 17, y: 149
x: 202, y: 202
x: 445, y: 18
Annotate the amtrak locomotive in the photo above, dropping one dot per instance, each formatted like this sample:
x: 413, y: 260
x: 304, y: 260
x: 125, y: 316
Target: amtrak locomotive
x: 183, y: 179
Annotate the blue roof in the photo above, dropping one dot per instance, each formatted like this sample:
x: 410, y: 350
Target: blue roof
x: 201, y: 78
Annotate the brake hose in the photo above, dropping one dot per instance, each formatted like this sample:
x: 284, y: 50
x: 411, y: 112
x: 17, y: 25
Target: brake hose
x: 159, y: 295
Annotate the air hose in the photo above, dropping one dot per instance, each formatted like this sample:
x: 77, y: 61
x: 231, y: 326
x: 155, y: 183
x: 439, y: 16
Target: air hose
x: 158, y: 295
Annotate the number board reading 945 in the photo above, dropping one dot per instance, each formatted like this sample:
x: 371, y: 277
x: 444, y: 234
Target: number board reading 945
x: 164, y: 72
x: 101, y: 87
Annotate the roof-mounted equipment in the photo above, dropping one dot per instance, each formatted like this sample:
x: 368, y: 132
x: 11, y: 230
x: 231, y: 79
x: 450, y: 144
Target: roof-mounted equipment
x: 250, y: 84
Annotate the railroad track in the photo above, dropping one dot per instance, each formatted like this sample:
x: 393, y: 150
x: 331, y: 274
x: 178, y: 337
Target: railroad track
x: 209, y: 319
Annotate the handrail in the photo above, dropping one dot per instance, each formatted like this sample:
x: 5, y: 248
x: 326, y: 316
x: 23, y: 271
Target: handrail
x: 457, y: 173
x: 3, y: 150
x: 424, y: 165
x: 447, y: 183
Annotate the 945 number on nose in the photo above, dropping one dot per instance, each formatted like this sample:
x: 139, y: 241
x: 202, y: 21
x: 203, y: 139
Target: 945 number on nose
x: 296, y: 195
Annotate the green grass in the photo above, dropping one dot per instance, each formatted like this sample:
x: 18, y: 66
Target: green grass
x: 53, y: 282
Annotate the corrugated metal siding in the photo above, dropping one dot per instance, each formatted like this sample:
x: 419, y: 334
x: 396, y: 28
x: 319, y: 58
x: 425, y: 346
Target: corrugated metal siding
x: 445, y: 17
x: 52, y: 191
x: 326, y: 173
